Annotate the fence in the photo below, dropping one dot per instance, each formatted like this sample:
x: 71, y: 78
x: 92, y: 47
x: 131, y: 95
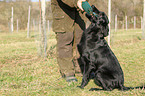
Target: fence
x: 33, y: 24
x: 135, y: 22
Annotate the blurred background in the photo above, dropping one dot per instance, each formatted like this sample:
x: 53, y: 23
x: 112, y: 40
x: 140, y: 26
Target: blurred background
x: 20, y: 14
x: 24, y: 16
x: 121, y: 9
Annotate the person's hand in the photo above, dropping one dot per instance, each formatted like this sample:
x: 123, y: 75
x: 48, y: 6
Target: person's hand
x: 79, y: 4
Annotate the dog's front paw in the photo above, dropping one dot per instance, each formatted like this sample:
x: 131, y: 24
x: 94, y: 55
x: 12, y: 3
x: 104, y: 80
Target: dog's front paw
x: 80, y: 87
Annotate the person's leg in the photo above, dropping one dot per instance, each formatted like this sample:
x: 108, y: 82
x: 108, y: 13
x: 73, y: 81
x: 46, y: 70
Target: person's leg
x: 65, y: 53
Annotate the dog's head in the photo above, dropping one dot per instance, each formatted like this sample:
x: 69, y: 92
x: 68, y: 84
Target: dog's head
x: 100, y: 22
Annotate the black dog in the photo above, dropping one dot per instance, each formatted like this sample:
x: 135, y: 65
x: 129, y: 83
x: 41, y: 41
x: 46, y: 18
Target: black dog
x: 97, y: 61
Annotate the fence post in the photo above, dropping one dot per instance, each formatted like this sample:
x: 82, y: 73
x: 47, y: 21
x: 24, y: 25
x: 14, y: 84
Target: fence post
x: 143, y: 30
x: 141, y: 24
x: 28, y: 24
x: 115, y: 23
x: 126, y: 22
x: 34, y: 25
x: 12, y: 20
x: 17, y: 25
x: 109, y: 15
x: 48, y: 26
x: 43, y: 44
x: 123, y: 24
x: 134, y: 22
x: 9, y: 25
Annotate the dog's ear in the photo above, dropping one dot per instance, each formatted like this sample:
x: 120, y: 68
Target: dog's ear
x: 105, y: 31
x: 95, y: 9
x: 104, y: 16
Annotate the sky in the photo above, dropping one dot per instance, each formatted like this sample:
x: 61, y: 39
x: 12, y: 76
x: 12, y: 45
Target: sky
x: 37, y: 0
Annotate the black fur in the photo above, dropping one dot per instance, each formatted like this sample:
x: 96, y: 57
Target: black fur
x: 97, y: 61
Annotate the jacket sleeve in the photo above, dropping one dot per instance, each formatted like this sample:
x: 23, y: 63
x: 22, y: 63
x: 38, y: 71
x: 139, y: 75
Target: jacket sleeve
x: 71, y: 3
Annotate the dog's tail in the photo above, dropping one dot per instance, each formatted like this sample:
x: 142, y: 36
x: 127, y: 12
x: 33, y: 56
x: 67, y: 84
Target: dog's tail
x: 122, y: 89
x: 131, y: 88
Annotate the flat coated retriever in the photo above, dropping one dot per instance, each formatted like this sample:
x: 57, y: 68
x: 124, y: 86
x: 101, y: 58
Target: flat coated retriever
x: 97, y: 61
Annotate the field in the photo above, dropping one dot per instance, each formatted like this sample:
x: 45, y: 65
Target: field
x: 23, y: 73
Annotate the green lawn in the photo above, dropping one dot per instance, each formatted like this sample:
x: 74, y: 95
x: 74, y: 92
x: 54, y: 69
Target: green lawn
x: 23, y: 73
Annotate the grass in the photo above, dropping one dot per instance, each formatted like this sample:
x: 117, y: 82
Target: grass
x: 23, y: 73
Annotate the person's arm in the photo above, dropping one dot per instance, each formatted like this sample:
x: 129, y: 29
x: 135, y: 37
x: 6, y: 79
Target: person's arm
x: 79, y: 4
x: 71, y: 3
x: 74, y: 3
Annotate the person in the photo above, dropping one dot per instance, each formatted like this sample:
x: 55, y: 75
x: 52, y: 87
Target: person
x: 68, y: 25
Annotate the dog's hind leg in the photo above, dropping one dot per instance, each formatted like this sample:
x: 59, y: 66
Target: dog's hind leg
x: 122, y: 87
x: 102, y: 82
